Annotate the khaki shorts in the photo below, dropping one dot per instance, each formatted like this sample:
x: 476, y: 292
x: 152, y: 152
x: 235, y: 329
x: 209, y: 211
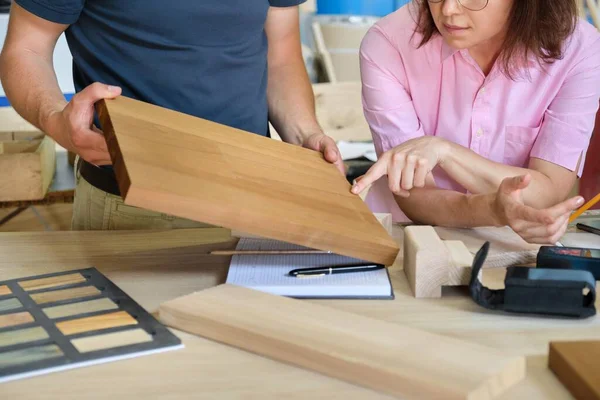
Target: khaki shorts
x: 95, y: 209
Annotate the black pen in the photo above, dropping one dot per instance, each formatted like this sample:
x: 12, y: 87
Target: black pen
x: 337, y: 269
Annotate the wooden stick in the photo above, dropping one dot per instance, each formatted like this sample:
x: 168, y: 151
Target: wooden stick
x: 265, y: 252
x: 584, y: 208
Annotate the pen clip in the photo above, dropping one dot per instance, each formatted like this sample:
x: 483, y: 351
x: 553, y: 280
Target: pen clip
x: 308, y: 276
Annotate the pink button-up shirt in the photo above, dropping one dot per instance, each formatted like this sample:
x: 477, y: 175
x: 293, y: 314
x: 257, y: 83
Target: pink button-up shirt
x: 436, y: 90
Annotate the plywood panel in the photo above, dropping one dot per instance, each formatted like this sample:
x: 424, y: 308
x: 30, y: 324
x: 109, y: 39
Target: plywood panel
x: 577, y: 366
x: 384, y: 356
x: 186, y: 166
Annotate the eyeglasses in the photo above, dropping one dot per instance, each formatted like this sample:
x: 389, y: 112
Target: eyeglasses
x: 473, y: 5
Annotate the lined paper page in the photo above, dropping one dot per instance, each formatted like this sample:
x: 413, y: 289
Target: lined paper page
x: 269, y: 273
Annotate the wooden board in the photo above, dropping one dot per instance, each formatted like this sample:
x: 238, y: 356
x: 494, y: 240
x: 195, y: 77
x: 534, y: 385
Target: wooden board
x: 193, y: 168
x: 577, y: 366
x: 376, y: 354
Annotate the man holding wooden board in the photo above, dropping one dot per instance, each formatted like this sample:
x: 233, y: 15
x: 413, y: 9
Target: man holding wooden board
x: 238, y: 63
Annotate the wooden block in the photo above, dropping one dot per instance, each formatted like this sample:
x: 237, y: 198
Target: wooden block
x: 178, y: 164
x: 459, y: 273
x: 27, y: 169
x: 577, y: 366
x: 426, y: 261
x: 387, y: 357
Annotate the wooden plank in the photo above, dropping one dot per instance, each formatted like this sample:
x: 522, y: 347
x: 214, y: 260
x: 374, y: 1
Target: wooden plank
x: 111, y: 340
x: 15, y: 319
x: 383, y: 356
x: 96, y: 323
x: 65, y: 294
x: 193, y: 168
x: 426, y: 261
x: 577, y: 366
x: 53, y: 281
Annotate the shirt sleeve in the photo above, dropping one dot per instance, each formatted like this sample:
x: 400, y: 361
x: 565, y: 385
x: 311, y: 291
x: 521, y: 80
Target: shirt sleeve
x: 58, y: 11
x: 285, y: 3
x: 387, y: 105
x: 569, y: 121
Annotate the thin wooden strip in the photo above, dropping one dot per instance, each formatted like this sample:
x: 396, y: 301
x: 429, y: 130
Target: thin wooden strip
x: 11, y: 338
x: 15, y: 319
x: 391, y: 358
x: 24, y: 356
x: 4, y: 290
x: 10, y: 304
x: 65, y: 294
x: 95, y: 323
x: 83, y: 307
x: 111, y: 340
x: 53, y: 281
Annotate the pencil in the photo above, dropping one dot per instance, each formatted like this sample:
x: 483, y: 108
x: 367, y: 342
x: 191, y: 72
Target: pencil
x: 265, y: 252
x: 584, y: 208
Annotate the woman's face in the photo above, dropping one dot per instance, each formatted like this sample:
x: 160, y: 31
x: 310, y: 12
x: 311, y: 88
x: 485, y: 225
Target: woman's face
x: 463, y: 28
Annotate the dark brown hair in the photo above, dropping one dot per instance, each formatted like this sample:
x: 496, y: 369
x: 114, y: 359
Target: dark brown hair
x: 538, y: 27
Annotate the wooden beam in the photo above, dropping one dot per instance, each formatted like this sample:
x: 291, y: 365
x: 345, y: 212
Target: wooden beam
x: 383, y: 356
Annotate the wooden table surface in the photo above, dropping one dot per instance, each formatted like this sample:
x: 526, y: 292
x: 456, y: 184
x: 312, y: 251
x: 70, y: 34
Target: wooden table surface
x: 157, y: 266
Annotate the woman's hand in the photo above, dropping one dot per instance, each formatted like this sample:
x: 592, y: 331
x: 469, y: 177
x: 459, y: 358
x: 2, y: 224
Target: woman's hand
x: 407, y: 166
x: 545, y: 226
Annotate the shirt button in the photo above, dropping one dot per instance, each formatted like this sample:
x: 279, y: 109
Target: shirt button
x: 479, y: 132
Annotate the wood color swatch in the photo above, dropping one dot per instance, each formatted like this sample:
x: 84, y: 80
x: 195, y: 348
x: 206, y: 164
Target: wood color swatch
x: 95, y: 323
x: 4, y: 290
x: 178, y: 164
x: 577, y: 366
x: 53, y: 281
x: 27, y: 335
x: 23, y: 356
x: 68, y: 310
x: 383, y: 356
x: 10, y: 304
x: 15, y: 319
x: 65, y: 294
x: 111, y: 340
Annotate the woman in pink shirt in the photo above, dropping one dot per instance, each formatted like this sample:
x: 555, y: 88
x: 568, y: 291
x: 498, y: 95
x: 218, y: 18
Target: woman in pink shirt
x: 481, y: 112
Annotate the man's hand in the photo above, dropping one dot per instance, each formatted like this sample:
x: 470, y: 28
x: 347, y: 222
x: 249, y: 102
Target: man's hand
x: 407, y: 166
x: 73, y: 126
x: 545, y: 226
x: 327, y: 146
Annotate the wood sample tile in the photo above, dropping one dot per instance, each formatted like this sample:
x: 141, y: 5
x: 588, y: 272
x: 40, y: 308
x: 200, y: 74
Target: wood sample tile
x: 95, y: 323
x: 23, y: 356
x: 182, y: 165
x: 65, y: 294
x: 577, y: 366
x: 83, y: 307
x: 53, y: 281
x: 4, y: 290
x: 111, y: 340
x: 10, y: 304
x: 391, y: 358
x: 15, y: 319
x: 10, y: 338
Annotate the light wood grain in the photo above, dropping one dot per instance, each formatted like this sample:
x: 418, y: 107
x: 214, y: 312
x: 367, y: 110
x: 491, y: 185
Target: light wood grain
x: 459, y: 273
x: 96, y: 323
x: 426, y: 261
x: 4, y: 290
x: 53, y: 281
x: 385, y: 357
x: 29, y: 355
x: 11, y: 338
x: 157, y: 266
x: 15, y: 319
x: 193, y: 168
x: 111, y: 340
x: 65, y: 294
x: 68, y: 310
x: 577, y: 365
x: 10, y: 304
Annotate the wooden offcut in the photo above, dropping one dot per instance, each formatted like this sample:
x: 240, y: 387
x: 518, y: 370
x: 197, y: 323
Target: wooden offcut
x: 383, y: 356
x: 182, y: 165
x: 577, y: 366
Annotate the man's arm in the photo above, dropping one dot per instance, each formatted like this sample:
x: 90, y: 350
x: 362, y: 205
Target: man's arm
x: 290, y: 95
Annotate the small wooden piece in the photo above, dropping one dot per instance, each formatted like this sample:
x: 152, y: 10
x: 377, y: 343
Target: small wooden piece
x: 15, y: 319
x: 65, y: 294
x: 111, y: 340
x: 577, y: 366
x: 4, y: 290
x: 426, y: 261
x: 53, y: 281
x: 178, y: 164
x: 95, y: 323
x: 387, y: 357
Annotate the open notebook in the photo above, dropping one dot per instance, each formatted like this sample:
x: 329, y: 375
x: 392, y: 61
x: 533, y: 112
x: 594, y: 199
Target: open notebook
x: 269, y: 273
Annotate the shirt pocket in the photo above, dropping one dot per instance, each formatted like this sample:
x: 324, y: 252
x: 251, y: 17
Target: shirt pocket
x: 518, y: 143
